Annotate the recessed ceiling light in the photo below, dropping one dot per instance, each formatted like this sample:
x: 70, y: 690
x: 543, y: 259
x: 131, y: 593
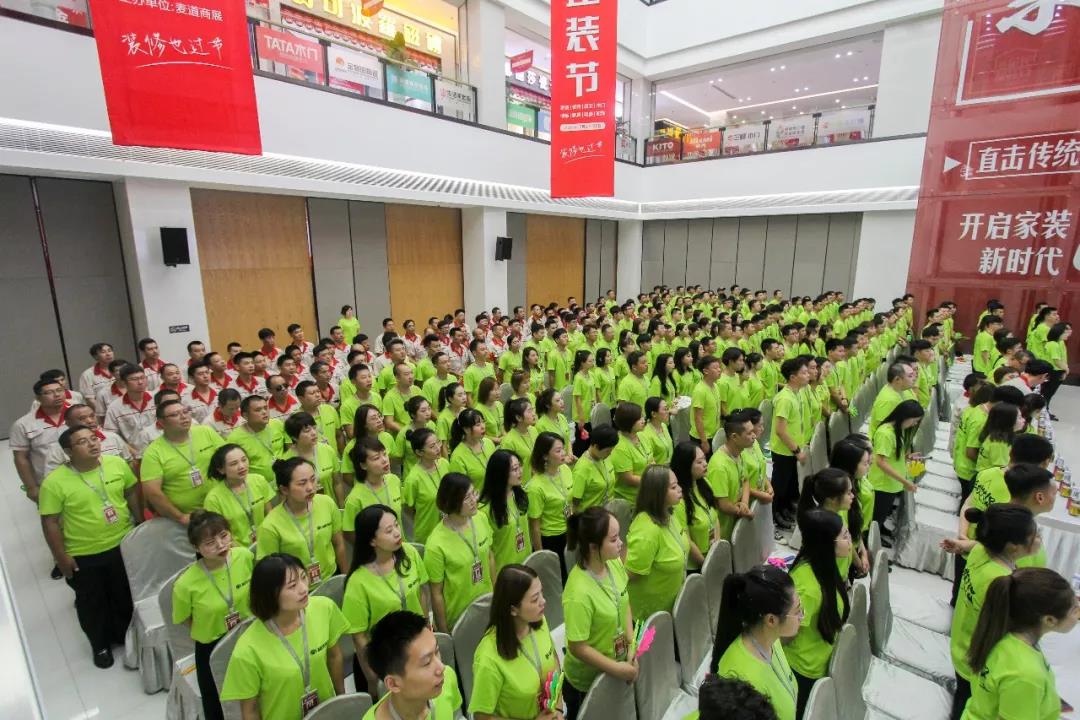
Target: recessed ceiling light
x: 783, y: 67
x: 762, y: 112
x: 855, y: 79
x: 748, y: 98
x: 806, y: 88
x: 770, y: 117
x: 865, y: 77
x: 837, y: 100
x: 849, y: 53
x: 719, y: 79
x: 796, y: 89
x: 801, y: 112
x: 772, y: 69
x: 843, y: 107
x: 837, y: 56
x: 793, y: 107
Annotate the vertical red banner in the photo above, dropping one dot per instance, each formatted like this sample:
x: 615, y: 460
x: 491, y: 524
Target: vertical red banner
x: 583, y: 57
x: 999, y: 203
x: 177, y: 74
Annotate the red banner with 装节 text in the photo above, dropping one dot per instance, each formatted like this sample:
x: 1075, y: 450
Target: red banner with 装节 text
x: 583, y: 44
x: 177, y: 74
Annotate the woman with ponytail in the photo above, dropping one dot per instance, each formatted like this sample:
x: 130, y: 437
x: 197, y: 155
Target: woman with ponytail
x: 422, y: 483
x: 551, y: 417
x: 1005, y: 533
x: 853, y: 455
x: 758, y: 609
x: 505, y: 504
x: 452, y: 400
x: 697, y: 509
x: 469, y: 448
x: 1013, y: 680
x: 824, y: 597
x: 831, y: 489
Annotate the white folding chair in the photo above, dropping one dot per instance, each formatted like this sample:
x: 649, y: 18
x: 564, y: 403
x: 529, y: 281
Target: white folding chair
x: 848, y: 673
x: 680, y: 426
x: 715, y: 569
x: 819, y: 451
x: 505, y: 392
x: 219, y: 664
x: 821, y: 705
x: 152, y: 553
x: 342, y: 707
x: 838, y: 428
x: 873, y: 540
x: 623, y: 512
x: 766, y: 420
x: 657, y: 688
x: 718, y: 440
x: 600, y: 415
x: 608, y: 698
x: 184, y: 701
x: 693, y: 635
x: 568, y: 402
x: 446, y: 650
x: 745, y: 546
x: 334, y: 588
x: 546, y: 565
x: 467, y: 633
x: 178, y: 635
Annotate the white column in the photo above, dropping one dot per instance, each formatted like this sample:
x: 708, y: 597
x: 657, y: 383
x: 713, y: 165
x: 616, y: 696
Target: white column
x: 881, y: 268
x: 161, y: 296
x: 628, y: 269
x: 484, y: 277
x: 641, y: 105
x: 486, y: 28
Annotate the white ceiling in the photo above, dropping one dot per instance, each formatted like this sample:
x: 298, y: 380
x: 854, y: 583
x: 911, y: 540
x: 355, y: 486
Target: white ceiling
x: 821, y: 78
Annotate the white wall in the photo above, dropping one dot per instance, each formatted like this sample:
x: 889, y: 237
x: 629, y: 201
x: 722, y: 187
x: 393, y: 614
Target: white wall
x: 884, y: 254
x: 628, y: 260
x: 484, y: 277
x: 161, y: 296
x: 906, y: 80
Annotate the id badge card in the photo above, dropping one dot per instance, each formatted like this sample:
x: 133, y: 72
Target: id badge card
x: 314, y: 573
x: 519, y: 541
x: 308, y: 702
x: 251, y: 537
x: 196, y: 477
x: 566, y: 511
x: 477, y: 572
x: 621, y: 647
x: 111, y: 515
x: 232, y: 620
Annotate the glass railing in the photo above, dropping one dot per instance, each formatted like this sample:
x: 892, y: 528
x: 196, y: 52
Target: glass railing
x: 827, y: 128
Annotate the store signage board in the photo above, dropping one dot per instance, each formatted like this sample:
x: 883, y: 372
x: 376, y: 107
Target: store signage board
x: 178, y: 75
x: 583, y: 49
x: 522, y: 62
x: 999, y: 202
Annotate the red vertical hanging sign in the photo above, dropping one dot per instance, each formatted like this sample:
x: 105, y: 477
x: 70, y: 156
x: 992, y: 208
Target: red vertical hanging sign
x: 583, y: 45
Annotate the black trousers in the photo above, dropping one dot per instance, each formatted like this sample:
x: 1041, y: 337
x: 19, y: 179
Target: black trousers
x: 884, y: 503
x: 805, y: 685
x: 1049, y: 388
x: 963, y: 694
x: 557, y: 545
x: 210, y: 702
x: 959, y: 565
x: 102, y: 598
x: 785, y: 482
x: 966, y: 486
x: 574, y: 698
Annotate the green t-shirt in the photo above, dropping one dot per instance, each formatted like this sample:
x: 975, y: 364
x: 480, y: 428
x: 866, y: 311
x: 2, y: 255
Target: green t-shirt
x: 1055, y: 353
x: 754, y: 466
x: 707, y: 399
x: 403, y: 448
x: 866, y: 502
x: 244, y: 509
x: 362, y: 495
x: 584, y: 388
x: 512, y: 542
x: 261, y: 667
x: 808, y: 652
x: 770, y: 377
x: 787, y: 405
x: 992, y: 453
x: 511, y: 688
x: 262, y: 448
x: 549, y: 501
x: 444, y: 707
x: 1016, y: 684
x: 886, y: 401
x: 493, y: 419
x: 981, y: 570
x: 659, y: 443
x: 175, y: 465
x: 393, y: 404
x: 509, y: 361
x: 349, y: 406
x: 774, y: 680
x: 370, y: 597
x: 558, y: 425
x: 629, y: 457
x: 203, y: 599
x: 884, y: 443
x: 443, y: 424
x: 327, y: 465
x: 559, y: 362
x: 732, y: 392
x: 725, y: 477
x: 419, y: 491
x: 972, y: 420
x: 655, y: 390
x: 450, y: 557
x: 469, y: 462
x: 755, y: 391
x: 660, y: 554
x: 283, y: 532
x: 989, y: 488
x: 385, y: 439
x: 522, y: 446
x: 474, y: 374
x: 433, y: 386
x: 78, y: 499
x: 704, y: 527
x: 596, y: 612
x: 604, y: 380
x: 327, y: 423
x: 633, y: 389
x: 594, y: 481
x: 984, y: 343
x: 424, y: 371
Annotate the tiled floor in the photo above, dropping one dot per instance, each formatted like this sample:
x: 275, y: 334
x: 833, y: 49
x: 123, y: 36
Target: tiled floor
x: 71, y: 688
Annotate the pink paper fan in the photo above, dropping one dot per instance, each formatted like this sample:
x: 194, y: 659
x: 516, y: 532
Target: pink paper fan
x: 646, y: 641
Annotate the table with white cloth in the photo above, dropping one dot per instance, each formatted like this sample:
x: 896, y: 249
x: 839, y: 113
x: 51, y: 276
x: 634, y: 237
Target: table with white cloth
x: 1061, y: 538
x: 1063, y: 654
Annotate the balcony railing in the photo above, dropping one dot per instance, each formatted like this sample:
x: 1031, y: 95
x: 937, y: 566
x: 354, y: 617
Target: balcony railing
x: 827, y: 128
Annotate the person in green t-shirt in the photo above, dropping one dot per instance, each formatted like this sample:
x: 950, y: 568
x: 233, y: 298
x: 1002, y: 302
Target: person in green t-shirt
x: 394, y: 399
x: 505, y: 505
x: 374, y: 483
x: 656, y: 434
x: 458, y: 553
x: 348, y: 324
x: 516, y: 656
x: 985, y: 352
x: 823, y: 595
x: 900, y: 378
x: 306, y: 524
x: 303, y: 431
x: 469, y: 447
x: 174, y: 469
x: 88, y: 506
x: 596, y: 607
x: 585, y: 396
x: 403, y: 653
x: 268, y: 672
x: 594, y: 478
x: 658, y: 546
x: 1005, y: 534
x: 634, y: 387
x: 519, y: 421
x: 422, y: 482
x: 419, y: 410
x: 387, y: 575
x: 788, y: 440
x: 697, y: 509
x: 1003, y: 422
x: 510, y: 360
x: 630, y: 456
x: 211, y: 596
x: 480, y: 368
x: 1056, y: 352
x: 491, y: 408
x: 758, y: 610
x: 549, y: 495
x: 1012, y: 678
x: 705, y: 404
x: 241, y: 497
x: 551, y: 417
x: 558, y: 361
x: 831, y: 490
x: 726, y: 476
x: 263, y: 439
x: 892, y: 450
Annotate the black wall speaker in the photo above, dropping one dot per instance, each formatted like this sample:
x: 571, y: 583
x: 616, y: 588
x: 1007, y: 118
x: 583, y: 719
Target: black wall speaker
x: 504, y: 248
x: 174, y: 246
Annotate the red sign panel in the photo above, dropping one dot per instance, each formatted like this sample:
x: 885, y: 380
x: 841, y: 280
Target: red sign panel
x: 178, y: 75
x: 522, y: 62
x: 303, y: 55
x: 701, y: 143
x: 999, y: 203
x: 583, y: 45
x: 370, y: 8
x: 659, y: 151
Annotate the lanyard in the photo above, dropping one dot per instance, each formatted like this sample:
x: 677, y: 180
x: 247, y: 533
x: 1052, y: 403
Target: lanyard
x: 228, y: 578
x: 248, y: 509
x: 559, y: 487
x: 256, y: 436
x: 602, y: 467
x: 613, y: 596
x: 683, y: 549
x: 400, y: 582
x: 434, y: 481
x: 535, y: 657
x: 100, y: 489
x: 788, y: 685
x: 310, y: 530
x: 475, y: 547
x: 305, y: 666
x: 190, y: 457
x: 375, y: 492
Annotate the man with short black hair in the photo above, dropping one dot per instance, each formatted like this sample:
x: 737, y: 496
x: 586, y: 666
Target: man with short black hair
x: 201, y: 399
x: 225, y: 417
x: 1035, y: 373
x: 151, y: 363
x: 788, y: 440
x: 97, y: 376
x: 281, y: 403
x: 269, y: 347
x: 129, y: 415
x: 32, y: 435
x: 326, y: 418
x: 900, y: 378
x: 246, y: 383
x: 82, y: 415
x: 296, y: 337
x: 261, y: 438
x: 175, y: 467
x: 196, y: 351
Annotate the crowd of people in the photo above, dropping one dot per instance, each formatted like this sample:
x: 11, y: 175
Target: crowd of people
x: 427, y: 465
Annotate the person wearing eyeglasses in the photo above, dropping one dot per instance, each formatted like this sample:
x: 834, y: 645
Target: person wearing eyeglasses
x: 175, y: 467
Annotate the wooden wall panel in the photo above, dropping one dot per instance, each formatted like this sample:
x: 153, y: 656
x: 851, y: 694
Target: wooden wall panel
x: 255, y: 264
x: 423, y: 256
x: 556, y: 260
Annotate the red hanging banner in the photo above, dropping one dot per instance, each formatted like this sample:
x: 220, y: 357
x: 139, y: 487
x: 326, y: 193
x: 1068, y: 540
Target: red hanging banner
x: 583, y: 45
x: 178, y: 75
x: 521, y: 62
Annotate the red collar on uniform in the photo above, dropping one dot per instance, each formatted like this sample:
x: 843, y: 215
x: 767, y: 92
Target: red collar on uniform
x: 289, y: 402
x: 179, y: 388
x: 305, y: 346
x: 501, y: 342
x: 224, y: 383
x: 147, y: 398
x: 221, y: 418
x: 271, y: 352
x: 102, y: 371
x: 459, y: 353
x: 209, y: 399
x: 412, y: 337
x: 42, y: 415
x: 328, y: 394
x: 100, y: 435
x: 156, y: 367
x: 342, y: 347
x: 229, y: 364
x: 293, y: 381
x: 250, y: 388
x: 115, y: 390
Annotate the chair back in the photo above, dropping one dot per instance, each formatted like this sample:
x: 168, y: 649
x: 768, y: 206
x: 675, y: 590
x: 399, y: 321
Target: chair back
x: 446, y: 650
x: 821, y: 705
x: 745, y: 545
x: 873, y: 539
x: 419, y: 547
x: 658, y: 672
x: 860, y: 618
x: 153, y: 552
x: 219, y: 663
x: 880, y: 610
x: 838, y: 428
x: 718, y: 439
x: 680, y: 426
x: 848, y: 673
x: 608, y: 698
x: 715, y: 569
x: 819, y: 451
x: 766, y: 420
x: 179, y: 639
x: 546, y: 564
x: 342, y: 707
x: 623, y: 512
x: 467, y: 633
x: 505, y: 392
x: 600, y: 415
x: 693, y: 633
x: 334, y: 588
x: 568, y: 402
